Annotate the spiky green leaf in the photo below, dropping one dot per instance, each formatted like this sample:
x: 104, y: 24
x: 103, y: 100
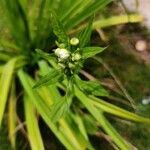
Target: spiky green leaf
x: 46, y: 56
x: 52, y: 77
x: 90, y: 51
x: 58, y: 29
x: 58, y: 110
x: 84, y: 35
x: 91, y: 87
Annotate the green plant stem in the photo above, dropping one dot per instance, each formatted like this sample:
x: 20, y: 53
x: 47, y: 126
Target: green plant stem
x: 115, y: 20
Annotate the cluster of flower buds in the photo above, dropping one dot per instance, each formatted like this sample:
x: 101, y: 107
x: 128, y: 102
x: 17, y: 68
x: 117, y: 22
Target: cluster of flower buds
x: 65, y: 57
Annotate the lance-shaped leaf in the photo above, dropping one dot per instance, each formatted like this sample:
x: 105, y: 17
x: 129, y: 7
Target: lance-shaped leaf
x: 91, y: 87
x: 58, y: 110
x: 88, y: 10
x: 91, y: 51
x: 117, y: 111
x: 58, y: 29
x: 84, y: 35
x: 46, y: 56
x: 52, y: 77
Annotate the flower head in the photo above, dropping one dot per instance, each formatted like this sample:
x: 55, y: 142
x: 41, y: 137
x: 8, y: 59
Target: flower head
x: 62, y: 53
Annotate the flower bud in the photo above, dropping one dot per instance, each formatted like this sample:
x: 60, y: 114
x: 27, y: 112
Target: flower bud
x: 74, y: 41
x: 71, y: 65
x: 76, y: 57
x: 62, y: 53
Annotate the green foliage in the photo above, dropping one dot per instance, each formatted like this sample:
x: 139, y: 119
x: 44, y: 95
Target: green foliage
x: 84, y: 35
x: 58, y: 110
x: 91, y: 87
x: 5, y: 83
x: 91, y: 51
x: 4, y: 142
x: 51, y: 78
x: 35, y: 138
x: 44, y: 55
x: 35, y: 26
x: 58, y: 29
x: 17, y: 22
x: 87, y: 10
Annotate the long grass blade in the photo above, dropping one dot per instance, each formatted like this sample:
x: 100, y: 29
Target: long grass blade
x: 5, y: 82
x: 35, y: 138
x: 117, y: 111
x: 111, y: 21
x: 12, y: 120
x: 97, y: 5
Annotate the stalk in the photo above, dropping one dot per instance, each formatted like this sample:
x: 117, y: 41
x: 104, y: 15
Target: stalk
x: 112, y: 21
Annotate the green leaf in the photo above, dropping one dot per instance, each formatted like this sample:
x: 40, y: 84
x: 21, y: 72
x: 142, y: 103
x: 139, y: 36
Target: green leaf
x: 46, y: 56
x: 5, y: 82
x: 76, y: 7
x: 58, y: 110
x: 8, y: 44
x: 17, y: 22
x: 117, y: 111
x: 90, y: 124
x: 80, y: 124
x: 52, y: 77
x: 91, y: 51
x: 58, y: 29
x: 34, y: 135
x: 85, y: 13
x: 4, y: 57
x: 84, y: 36
x: 91, y: 87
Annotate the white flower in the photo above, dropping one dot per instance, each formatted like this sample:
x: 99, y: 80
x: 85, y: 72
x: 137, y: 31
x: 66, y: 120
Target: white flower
x: 62, y: 53
x: 74, y: 41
